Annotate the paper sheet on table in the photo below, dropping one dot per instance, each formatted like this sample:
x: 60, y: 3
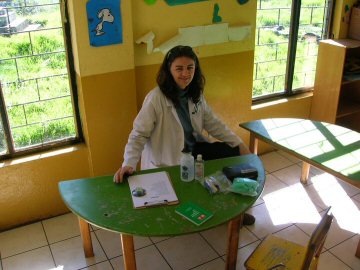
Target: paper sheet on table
x: 158, y: 188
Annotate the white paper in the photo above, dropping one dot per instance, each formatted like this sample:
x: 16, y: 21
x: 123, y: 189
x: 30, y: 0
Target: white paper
x: 192, y: 36
x: 157, y: 186
x: 237, y: 33
x: 216, y: 33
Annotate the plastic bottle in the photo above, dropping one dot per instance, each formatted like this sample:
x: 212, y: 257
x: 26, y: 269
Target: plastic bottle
x: 187, y: 167
x: 199, y: 167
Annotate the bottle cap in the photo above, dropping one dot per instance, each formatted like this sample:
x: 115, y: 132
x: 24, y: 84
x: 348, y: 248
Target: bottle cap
x: 199, y: 157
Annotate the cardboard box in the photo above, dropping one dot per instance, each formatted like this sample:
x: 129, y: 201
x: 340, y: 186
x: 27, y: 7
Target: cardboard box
x: 354, y: 27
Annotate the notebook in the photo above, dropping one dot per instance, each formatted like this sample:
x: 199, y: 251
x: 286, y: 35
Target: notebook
x: 194, y: 213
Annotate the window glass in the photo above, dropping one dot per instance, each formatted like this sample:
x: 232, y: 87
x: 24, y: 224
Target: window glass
x: 34, y: 76
x: 274, y: 52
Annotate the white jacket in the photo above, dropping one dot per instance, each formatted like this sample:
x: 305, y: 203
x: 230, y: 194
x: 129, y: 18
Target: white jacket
x: 158, y: 135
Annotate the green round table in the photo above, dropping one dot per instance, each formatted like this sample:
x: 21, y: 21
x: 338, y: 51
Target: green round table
x: 101, y: 202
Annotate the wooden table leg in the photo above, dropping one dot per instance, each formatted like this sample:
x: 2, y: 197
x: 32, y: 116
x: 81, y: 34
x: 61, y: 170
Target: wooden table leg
x: 86, y: 238
x: 357, y: 254
x: 305, y: 172
x: 127, y: 244
x: 253, y: 147
x: 233, y: 242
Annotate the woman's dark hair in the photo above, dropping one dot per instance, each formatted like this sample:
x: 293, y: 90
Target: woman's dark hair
x: 166, y: 81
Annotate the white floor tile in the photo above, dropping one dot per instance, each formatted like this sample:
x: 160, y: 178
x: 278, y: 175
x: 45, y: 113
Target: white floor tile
x: 335, y: 236
x: 357, y: 197
x: 327, y: 261
x: 243, y: 254
x: 217, y: 238
x: 272, y: 184
x: 294, y: 234
x: 150, y: 258
x: 292, y: 158
x: 22, y: 239
x: 100, y: 266
x: 61, y: 227
x: 184, y: 252
x: 212, y: 265
x: 264, y: 225
x: 289, y: 175
x: 147, y: 258
x: 70, y: 253
x: 111, y: 242
x: 346, y: 252
x: 37, y: 259
x: 273, y: 161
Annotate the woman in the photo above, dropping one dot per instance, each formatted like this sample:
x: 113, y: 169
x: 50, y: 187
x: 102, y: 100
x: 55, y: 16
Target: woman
x: 174, y: 118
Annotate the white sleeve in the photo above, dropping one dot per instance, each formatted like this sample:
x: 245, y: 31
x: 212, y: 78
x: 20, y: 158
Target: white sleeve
x: 142, y: 128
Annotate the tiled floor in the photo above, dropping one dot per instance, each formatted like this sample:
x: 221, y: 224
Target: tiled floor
x: 286, y: 208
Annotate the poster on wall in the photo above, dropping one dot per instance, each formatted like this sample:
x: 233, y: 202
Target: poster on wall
x: 104, y: 22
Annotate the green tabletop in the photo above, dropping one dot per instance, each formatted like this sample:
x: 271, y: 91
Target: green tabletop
x: 103, y: 203
x: 333, y: 148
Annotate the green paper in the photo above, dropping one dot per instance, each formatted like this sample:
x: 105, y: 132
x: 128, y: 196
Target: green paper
x: 150, y: 2
x: 193, y: 213
x: 181, y: 2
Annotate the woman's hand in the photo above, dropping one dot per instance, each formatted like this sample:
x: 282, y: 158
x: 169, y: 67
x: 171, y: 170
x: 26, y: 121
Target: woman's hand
x: 244, y: 150
x: 122, y: 172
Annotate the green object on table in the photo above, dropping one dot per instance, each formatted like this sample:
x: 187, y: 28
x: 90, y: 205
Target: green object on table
x: 108, y: 205
x: 244, y: 186
x: 194, y: 213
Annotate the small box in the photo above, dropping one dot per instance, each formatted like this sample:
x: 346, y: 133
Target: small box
x: 354, y: 27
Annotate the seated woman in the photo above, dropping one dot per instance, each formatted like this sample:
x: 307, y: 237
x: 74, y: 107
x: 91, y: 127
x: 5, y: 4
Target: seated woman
x: 173, y: 119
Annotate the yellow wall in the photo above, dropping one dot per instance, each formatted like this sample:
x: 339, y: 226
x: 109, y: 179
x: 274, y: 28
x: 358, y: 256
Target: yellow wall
x: 112, y: 82
x: 341, y: 18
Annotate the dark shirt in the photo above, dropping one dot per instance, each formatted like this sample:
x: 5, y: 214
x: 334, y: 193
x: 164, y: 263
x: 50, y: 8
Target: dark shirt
x: 183, y: 113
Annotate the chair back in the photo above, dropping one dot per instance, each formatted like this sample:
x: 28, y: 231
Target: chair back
x: 317, y: 239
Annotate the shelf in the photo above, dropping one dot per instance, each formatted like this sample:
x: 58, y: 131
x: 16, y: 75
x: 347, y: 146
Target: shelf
x: 350, y: 79
x: 348, y: 108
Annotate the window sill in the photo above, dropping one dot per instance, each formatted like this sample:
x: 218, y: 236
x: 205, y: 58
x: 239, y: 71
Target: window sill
x: 44, y: 155
x: 281, y: 100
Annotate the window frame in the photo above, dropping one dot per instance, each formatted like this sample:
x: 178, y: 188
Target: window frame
x: 291, y: 54
x: 55, y: 144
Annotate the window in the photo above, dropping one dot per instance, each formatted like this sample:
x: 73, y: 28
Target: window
x: 38, y: 92
x: 286, y: 45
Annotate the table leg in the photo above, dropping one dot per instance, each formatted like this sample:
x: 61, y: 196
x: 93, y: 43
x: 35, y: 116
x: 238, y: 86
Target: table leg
x: 253, y: 147
x: 127, y: 243
x: 86, y: 238
x: 305, y: 172
x: 357, y: 254
x: 233, y: 242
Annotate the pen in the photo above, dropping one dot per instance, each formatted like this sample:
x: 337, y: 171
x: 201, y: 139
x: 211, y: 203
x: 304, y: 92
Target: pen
x: 155, y: 203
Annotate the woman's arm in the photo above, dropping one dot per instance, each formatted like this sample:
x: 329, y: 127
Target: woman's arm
x: 142, y: 128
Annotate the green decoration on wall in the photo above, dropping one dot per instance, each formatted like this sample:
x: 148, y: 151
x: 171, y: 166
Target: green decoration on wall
x: 181, y: 2
x: 150, y: 2
x: 242, y: 2
x: 216, y: 17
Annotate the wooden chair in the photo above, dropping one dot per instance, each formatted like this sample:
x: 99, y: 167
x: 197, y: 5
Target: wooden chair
x: 277, y: 253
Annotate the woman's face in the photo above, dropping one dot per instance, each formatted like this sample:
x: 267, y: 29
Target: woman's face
x: 183, y: 69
